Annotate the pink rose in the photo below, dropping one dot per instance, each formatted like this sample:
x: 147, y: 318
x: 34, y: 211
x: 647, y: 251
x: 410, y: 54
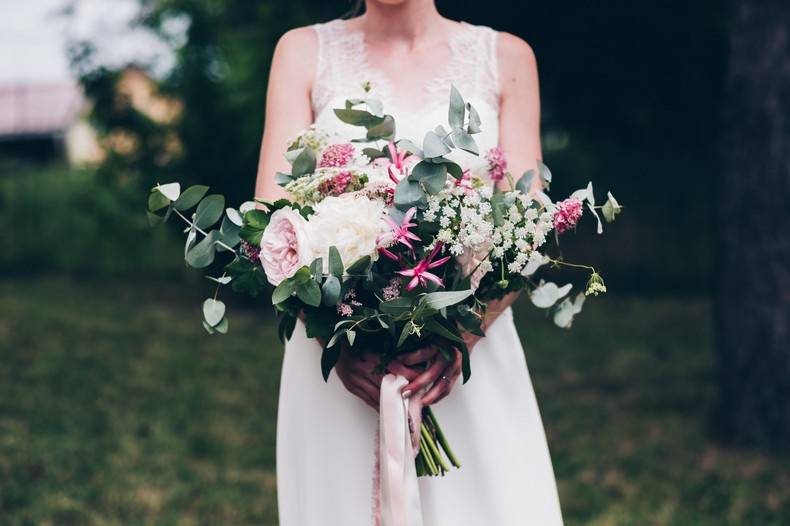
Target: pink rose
x: 285, y: 247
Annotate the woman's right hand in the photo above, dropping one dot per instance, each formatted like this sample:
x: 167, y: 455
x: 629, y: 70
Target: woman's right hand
x: 356, y: 371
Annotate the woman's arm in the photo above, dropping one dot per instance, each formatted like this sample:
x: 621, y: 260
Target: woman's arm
x: 519, y: 126
x: 519, y: 137
x: 288, y: 108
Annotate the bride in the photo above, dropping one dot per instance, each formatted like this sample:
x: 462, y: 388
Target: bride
x: 408, y: 56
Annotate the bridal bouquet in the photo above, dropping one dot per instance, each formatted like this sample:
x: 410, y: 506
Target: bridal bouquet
x: 388, y: 246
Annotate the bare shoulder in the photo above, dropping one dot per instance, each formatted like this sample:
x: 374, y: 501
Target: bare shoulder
x: 517, y: 62
x: 300, y: 42
x: 296, y: 54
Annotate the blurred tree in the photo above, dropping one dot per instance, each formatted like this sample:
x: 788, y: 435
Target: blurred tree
x: 753, y: 297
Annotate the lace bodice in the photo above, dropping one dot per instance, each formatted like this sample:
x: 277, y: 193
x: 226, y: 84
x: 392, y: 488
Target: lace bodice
x: 343, y: 68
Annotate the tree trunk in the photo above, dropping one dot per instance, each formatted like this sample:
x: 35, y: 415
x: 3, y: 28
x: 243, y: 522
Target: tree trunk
x: 752, y: 311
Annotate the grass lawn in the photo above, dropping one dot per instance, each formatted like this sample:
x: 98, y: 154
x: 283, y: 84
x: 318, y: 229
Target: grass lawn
x: 117, y: 409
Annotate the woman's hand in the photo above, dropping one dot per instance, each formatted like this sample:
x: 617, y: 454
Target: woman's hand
x: 355, y: 370
x: 440, y: 374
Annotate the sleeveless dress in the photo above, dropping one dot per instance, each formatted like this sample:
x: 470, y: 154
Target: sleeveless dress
x: 326, y: 437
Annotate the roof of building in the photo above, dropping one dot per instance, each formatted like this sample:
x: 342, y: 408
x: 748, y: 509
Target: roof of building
x: 38, y: 110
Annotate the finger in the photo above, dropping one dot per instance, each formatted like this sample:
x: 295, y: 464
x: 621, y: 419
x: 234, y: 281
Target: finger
x: 396, y: 367
x: 371, y: 389
x: 362, y: 395
x: 415, y: 357
x: 443, y: 387
x: 425, y: 379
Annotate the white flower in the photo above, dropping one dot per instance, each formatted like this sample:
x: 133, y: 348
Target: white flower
x: 349, y: 222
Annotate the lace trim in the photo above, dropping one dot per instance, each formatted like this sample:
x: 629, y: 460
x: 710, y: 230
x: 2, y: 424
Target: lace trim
x: 343, y: 66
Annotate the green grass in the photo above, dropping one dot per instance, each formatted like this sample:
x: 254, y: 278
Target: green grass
x: 116, y: 409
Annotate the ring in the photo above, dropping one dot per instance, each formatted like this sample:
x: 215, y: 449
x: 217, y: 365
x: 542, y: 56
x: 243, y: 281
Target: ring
x: 445, y: 379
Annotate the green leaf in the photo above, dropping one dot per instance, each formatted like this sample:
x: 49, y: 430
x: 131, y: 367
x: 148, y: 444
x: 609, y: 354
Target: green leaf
x: 545, y: 175
x: 155, y: 219
x: 373, y: 153
x: 396, y: 306
x: 234, y: 216
x: 190, y: 197
x: 310, y: 293
x: 230, y: 232
x: 157, y: 201
x: 358, y: 117
x: 433, y: 146
x: 594, y: 212
x: 404, y: 334
x: 409, y: 193
x: 213, y: 311
x: 457, y: 109
x: 328, y: 360
x: 282, y: 179
x: 202, y: 254
x: 454, y: 169
x: 385, y: 130
x: 171, y: 190
x: 335, y: 262
x: 331, y: 291
x: 283, y: 291
x: 432, y: 176
x: 360, y: 266
x: 304, y: 163
x: 433, y: 325
x: 209, y: 328
x: 405, y: 144
x: 465, y: 141
x: 222, y: 280
x: 351, y: 336
x: 524, y: 183
x: 222, y: 326
x: 440, y: 300
x: 302, y: 276
x: 317, y: 268
x: 474, y: 120
x: 286, y: 327
x: 209, y: 211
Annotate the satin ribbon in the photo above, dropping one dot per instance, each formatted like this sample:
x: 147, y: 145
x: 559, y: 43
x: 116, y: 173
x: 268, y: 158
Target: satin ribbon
x: 397, y: 491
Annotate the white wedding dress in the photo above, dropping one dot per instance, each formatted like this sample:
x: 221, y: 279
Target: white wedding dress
x: 326, y: 437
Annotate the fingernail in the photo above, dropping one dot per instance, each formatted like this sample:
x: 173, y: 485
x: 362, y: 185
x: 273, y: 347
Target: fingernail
x: 406, y: 394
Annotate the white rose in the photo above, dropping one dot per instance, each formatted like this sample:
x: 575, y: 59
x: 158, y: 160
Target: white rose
x: 349, y: 222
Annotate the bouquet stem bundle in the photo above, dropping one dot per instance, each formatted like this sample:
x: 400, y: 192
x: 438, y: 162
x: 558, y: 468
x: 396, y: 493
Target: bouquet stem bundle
x: 430, y: 460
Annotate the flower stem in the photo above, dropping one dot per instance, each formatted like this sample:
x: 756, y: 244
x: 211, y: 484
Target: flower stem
x: 191, y: 224
x: 426, y: 437
x: 442, y: 438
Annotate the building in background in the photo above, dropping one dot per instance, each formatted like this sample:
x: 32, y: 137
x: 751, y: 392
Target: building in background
x: 50, y: 122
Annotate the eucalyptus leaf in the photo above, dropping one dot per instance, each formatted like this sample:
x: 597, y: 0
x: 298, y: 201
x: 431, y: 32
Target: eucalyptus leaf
x: 545, y: 175
x: 465, y: 141
x: 457, y: 109
x: 304, y: 163
x: 157, y: 201
x: 222, y: 326
x: 310, y: 293
x: 213, y: 311
x: 191, y: 237
x: 385, y: 130
x: 442, y: 299
x: 222, y: 280
x: 405, y: 144
x: 594, y: 212
x: 351, y: 336
x: 563, y: 317
x: 335, y: 262
x: 208, y: 327
x: 283, y: 291
x: 330, y: 291
x: 170, y: 190
x: 246, y: 206
x: 202, y: 254
x: 317, y: 268
x: 534, y: 264
x: 234, y: 216
x: 409, y: 194
x: 547, y: 294
x: 190, y: 197
x: 524, y: 183
x: 433, y: 146
x: 209, y: 211
x: 474, y: 120
x: 282, y: 179
x: 360, y: 266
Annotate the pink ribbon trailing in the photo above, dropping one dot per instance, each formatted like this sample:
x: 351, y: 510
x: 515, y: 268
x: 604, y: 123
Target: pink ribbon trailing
x: 396, y: 490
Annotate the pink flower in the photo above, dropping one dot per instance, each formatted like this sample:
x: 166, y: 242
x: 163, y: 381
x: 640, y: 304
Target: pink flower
x: 391, y: 291
x: 337, y: 185
x: 567, y: 214
x: 337, y: 155
x: 250, y: 251
x: 399, y: 233
x: 497, y: 164
x: 285, y: 247
x: 465, y: 181
x: 420, y: 274
x: 398, y: 162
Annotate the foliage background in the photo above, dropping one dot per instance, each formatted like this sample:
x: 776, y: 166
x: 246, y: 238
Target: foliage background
x: 116, y: 409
